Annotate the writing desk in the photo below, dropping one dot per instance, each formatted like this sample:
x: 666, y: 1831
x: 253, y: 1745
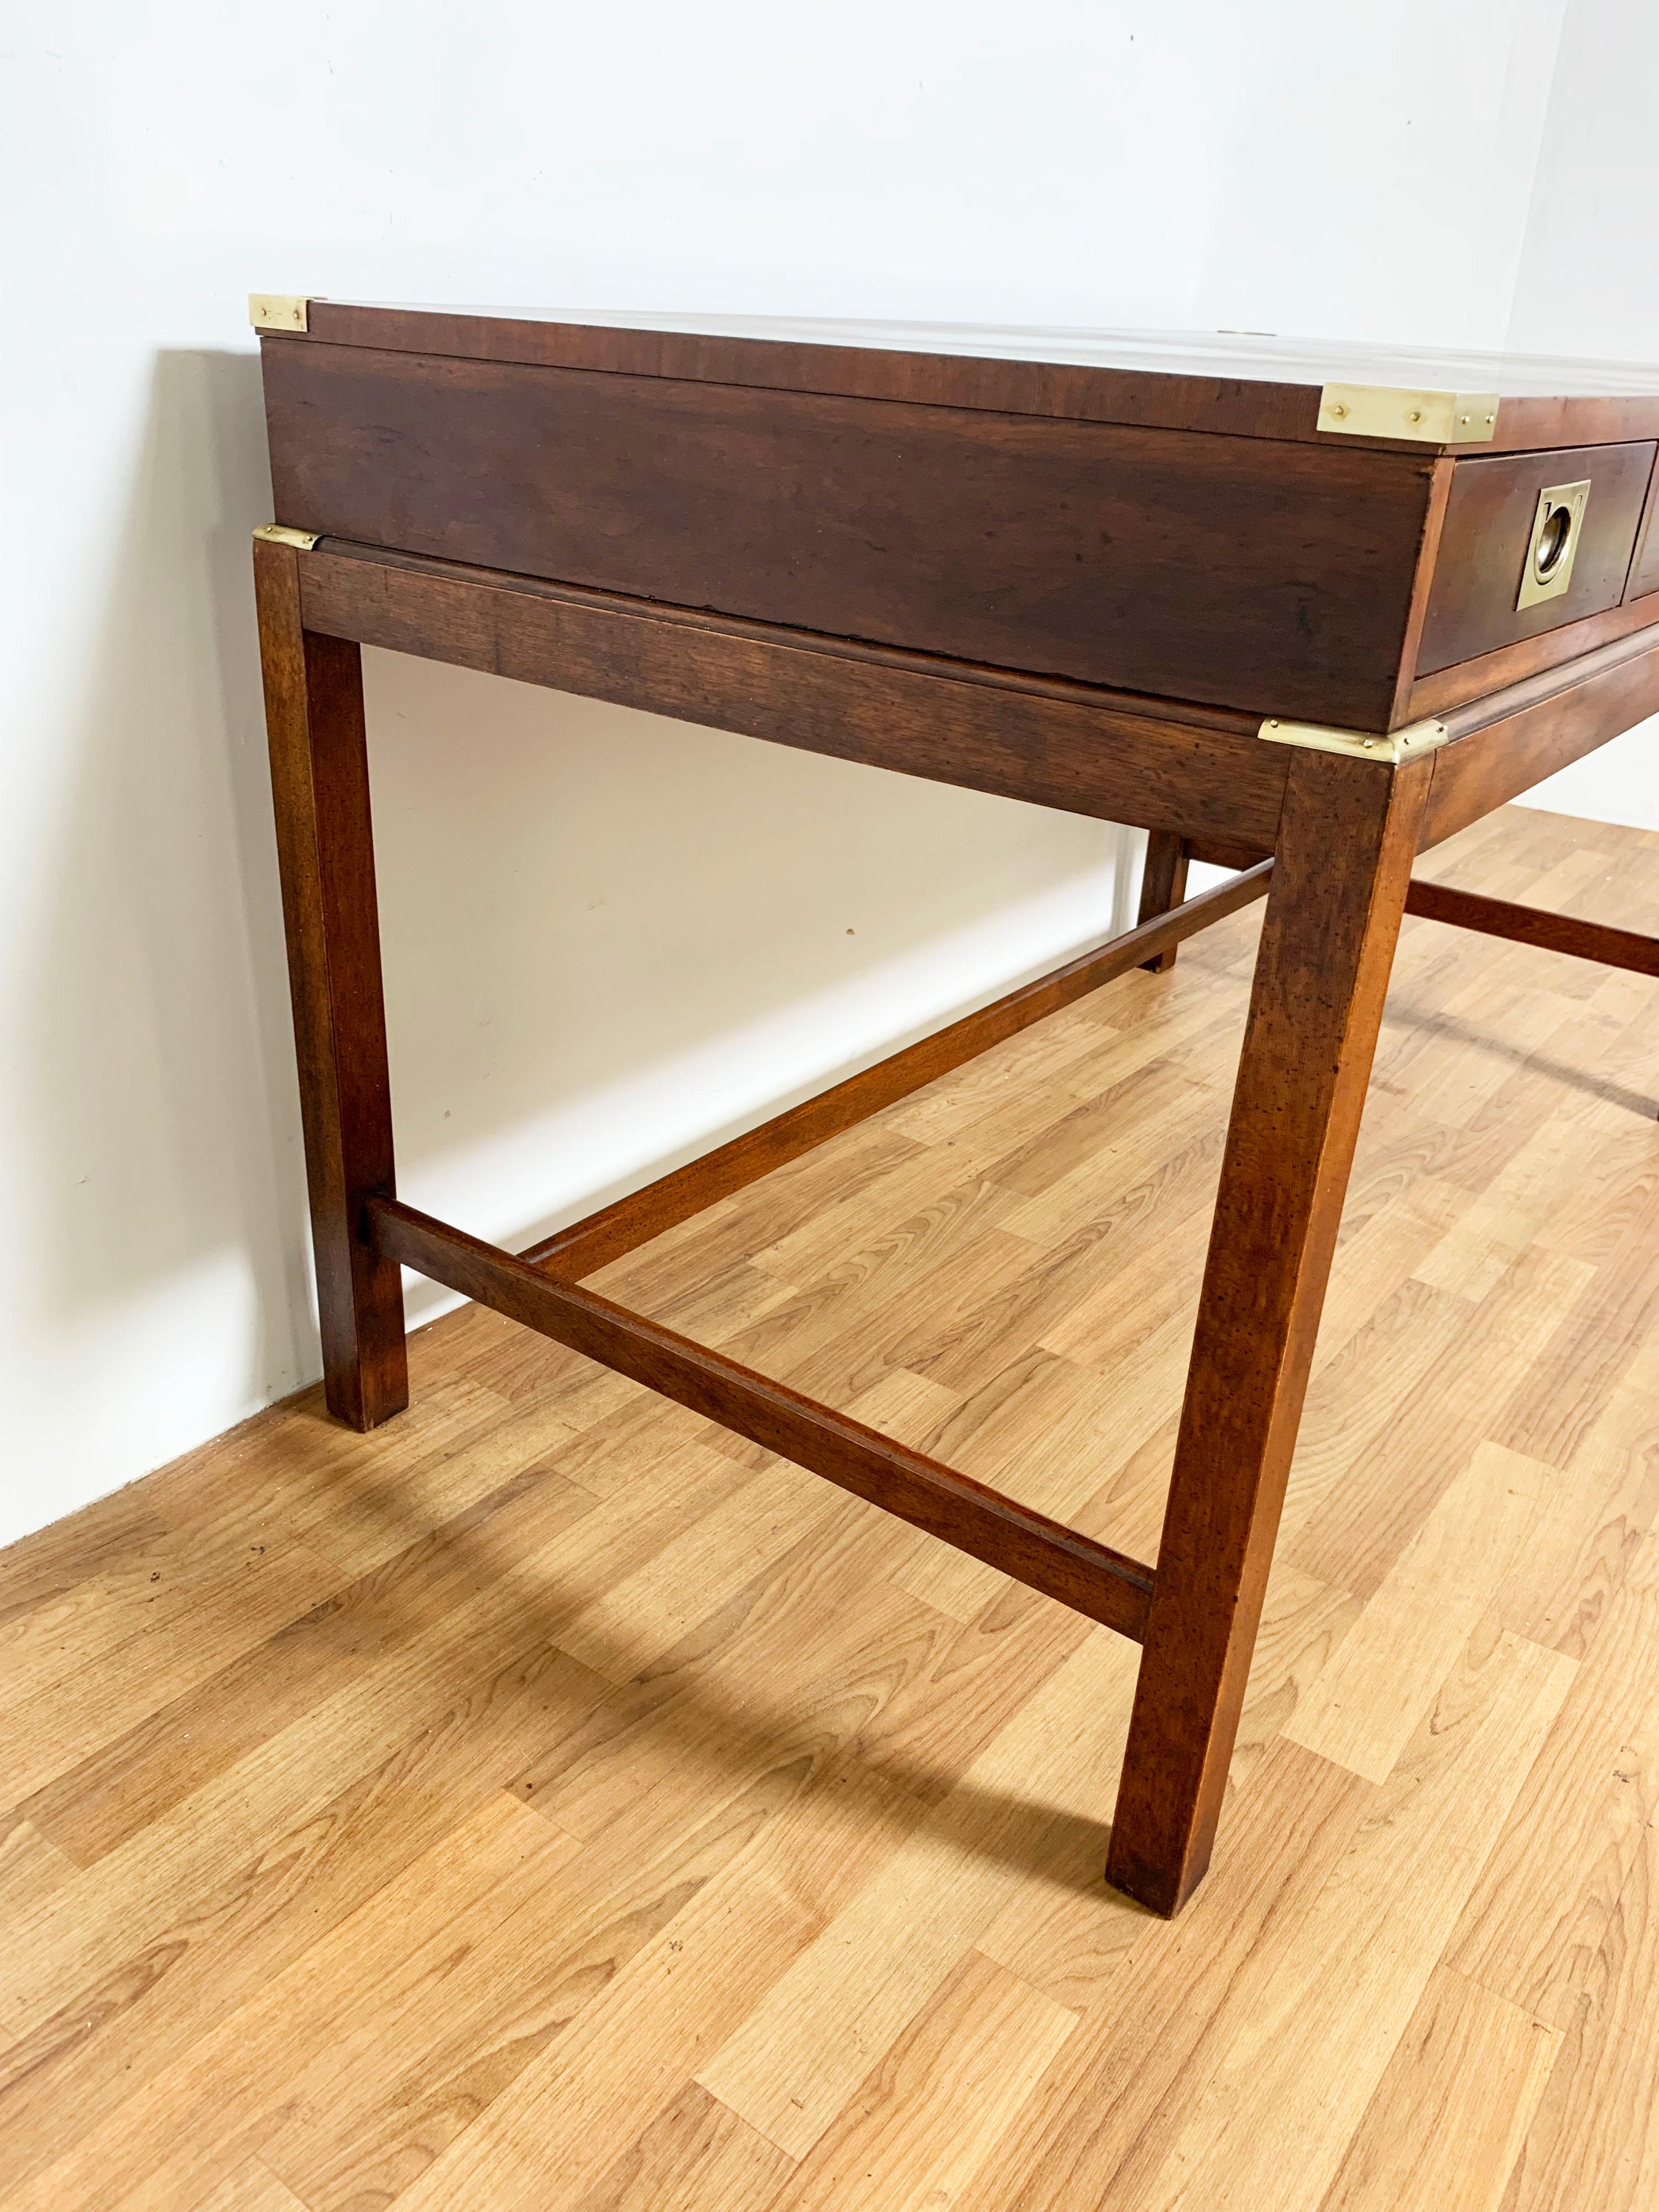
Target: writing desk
x: 1301, y: 612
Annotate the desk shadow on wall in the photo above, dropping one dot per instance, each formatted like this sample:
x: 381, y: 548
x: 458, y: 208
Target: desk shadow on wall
x: 167, y: 1120
x: 610, y: 940
x: 613, y: 940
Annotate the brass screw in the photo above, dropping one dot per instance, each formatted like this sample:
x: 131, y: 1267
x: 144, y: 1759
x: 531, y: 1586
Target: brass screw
x: 1413, y: 414
x: 1337, y: 408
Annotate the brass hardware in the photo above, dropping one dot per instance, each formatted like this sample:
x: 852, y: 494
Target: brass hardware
x: 1553, y: 545
x: 278, y: 311
x: 1376, y: 411
x: 1391, y: 749
x: 278, y: 533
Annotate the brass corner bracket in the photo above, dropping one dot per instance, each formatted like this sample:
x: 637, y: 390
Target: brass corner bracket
x: 278, y: 533
x: 278, y: 311
x: 1439, y: 418
x: 1389, y: 749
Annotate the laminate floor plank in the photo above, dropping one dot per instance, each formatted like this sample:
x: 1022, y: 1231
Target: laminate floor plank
x: 112, y: 1796
x: 696, y: 2153
x: 232, y: 1601
x: 1367, y: 1700
x: 1595, y: 2136
x: 574, y: 1808
x: 1534, y: 1923
x: 1444, y: 2127
x: 797, y: 2058
x: 923, y: 2121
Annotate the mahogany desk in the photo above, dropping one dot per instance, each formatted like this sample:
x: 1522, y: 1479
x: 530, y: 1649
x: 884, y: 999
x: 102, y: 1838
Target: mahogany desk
x: 1299, y: 611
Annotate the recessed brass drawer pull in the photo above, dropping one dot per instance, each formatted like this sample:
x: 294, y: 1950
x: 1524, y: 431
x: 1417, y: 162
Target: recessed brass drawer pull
x: 1553, y: 545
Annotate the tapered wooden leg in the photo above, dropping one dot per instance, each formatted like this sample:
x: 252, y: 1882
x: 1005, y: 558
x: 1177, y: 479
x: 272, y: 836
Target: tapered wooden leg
x: 320, y: 786
x: 1163, y: 886
x: 1346, y: 841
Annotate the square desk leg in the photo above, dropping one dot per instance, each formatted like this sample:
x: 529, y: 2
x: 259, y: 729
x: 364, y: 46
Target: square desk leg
x: 325, y: 851
x: 1163, y: 886
x: 1346, y: 841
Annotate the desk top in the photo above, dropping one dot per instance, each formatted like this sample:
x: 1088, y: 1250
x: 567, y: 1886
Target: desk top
x: 1245, y: 383
x: 1198, y: 520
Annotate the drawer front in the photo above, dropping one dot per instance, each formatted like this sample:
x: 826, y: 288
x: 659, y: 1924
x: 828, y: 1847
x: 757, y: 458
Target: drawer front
x: 1644, y: 569
x: 1485, y: 544
x: 1239, y: 572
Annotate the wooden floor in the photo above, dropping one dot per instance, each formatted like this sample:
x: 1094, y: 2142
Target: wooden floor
x: 549, y: 1802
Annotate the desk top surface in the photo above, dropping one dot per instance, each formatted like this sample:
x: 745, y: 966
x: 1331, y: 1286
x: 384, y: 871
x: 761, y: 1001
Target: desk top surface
x: 1258, y: 356
x: 1245, y: 383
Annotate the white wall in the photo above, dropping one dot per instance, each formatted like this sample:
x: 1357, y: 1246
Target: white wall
x: 1588, y: 284
x: 642, y: 935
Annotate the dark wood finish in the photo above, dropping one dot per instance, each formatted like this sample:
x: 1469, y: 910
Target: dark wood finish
x: 1223, y: 853
x: 1428, y: 561
x: 1146, y: 399
x: 1341, y: 866
x: 1469, y: 681
x: 1177, y: 382
x: 1090, y: 1577
x: 1483, y: 547
x: 1237, y: 571
x: 1054, y: 743
x: 976, y: 571
x: 1644, y: 563
x: 1504, y: 745
x: 1163, y: 886
x: 319, y: 784
x: 632, y: 1221
x: 1530, y: 925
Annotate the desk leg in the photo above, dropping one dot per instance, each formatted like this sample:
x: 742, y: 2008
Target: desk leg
x: 1163, y: 886
x: 1346, y: 841
x: 325, y: 851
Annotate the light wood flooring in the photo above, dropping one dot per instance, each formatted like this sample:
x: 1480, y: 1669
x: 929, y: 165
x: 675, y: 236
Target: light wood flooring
x: 548, y: 1803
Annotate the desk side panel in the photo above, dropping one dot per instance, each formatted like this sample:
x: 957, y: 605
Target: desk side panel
x: 1501, y: 746
x: 1017, y: 740
x: 1268, y: 576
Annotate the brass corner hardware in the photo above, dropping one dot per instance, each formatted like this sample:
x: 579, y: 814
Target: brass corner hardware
x: 1376, y: 410
x: 1553, y: 547
x: 278, y: 311
x: 1389, y: 749
x: 278, y: 533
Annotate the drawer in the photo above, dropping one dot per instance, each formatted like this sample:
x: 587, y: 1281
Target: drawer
x: 1486, y: 541
x: 1644, y: 569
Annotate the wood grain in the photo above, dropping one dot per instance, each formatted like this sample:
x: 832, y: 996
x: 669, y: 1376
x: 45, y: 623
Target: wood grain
x: 922, y: 2123
x: 325, y: 853
x: 1241, y: 571
x: 1528, y: 925
x: 1052, y: 743
x: 1511, y: 740
x: 1200, y: 388
x: 1443, y: 2130
x: 1163, y: 886
x: 1486, y: 532
x: 1105, y: 1584
x: 402, y: 1903
x: 1342, y: 864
